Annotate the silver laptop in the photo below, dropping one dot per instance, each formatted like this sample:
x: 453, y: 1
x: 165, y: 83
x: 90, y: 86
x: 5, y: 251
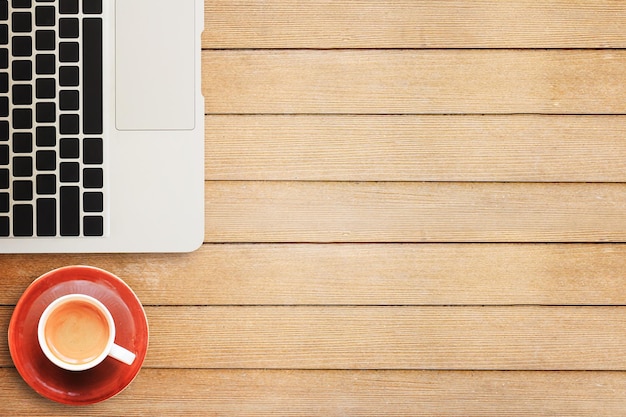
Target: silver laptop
x: 101, y: 126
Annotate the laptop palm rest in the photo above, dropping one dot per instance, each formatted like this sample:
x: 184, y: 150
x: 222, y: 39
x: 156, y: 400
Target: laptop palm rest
x: 154, y: 68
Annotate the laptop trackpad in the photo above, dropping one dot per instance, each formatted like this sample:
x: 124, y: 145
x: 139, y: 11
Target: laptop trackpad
x: 155, y: 67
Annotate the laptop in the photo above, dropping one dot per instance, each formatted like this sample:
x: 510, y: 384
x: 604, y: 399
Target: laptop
x: 101, y: 126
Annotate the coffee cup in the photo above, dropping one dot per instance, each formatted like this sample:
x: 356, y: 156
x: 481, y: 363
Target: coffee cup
x: 76, y: 332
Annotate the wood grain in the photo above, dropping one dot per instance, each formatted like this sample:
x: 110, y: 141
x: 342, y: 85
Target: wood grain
x: 416, y: 148
x: 242, y: 211
x: 175, y: 392
x: 396, y: 274
x: 414, y: 81
x: 376, y: 149
x: 413, y: 24
x: 390, y: 337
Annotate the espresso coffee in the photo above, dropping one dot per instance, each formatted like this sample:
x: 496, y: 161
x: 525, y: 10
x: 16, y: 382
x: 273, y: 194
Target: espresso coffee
x: 76, y: 332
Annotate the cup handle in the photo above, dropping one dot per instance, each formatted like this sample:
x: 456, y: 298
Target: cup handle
x: 122, y: 355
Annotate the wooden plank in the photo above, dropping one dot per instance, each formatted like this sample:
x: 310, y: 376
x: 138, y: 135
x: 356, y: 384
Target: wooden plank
x: 415, y: 81
x: 243, y: 211
x: 396, y: 274
x: 175, y: 392
x: 416, y: 148
x: 400, y: 337
x: 413, y: 24
x: 497, y: 338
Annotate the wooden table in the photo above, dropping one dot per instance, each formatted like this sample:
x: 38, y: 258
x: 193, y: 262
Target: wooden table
x: 412, y: 208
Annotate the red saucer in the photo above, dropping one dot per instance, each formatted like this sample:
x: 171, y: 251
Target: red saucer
x: 99, y: 383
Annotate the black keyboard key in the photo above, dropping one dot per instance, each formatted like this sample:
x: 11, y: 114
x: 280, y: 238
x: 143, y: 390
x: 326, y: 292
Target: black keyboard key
x: 92, y: 76
x: 68, y: 100
x: 22, y: 142
x: 46, y: 136
x: 4, y: 154
x: 46, y: 160
x: 69, y: 172
x: 45, y: 16
x: 45, y: 88
x: 68, y: 52
x: 46, y: 184
x: 22, y: 166
x: 4, y: 10
x: 4, y: 179
x: 46, y: 217
x: 92, y: 151
x: 46, y: 112
x: 4, y: 107
x: 4, y: 130
x: 68, y: 148
x: 22, y: 46
x: 68, y: 6
x: 92, y: 178
x: 22, y: 70
x: 68, y: 76
x: 69, y: 216
x: 68, y: 28
x: 22, y: 94
x: 4, y: 226
x: 45, y: 64
x: 4, y: 82
x: 4, y: 203
x: 45, y: 40
x: 4, y: 58
x: 93, y: 226
x: 21, y: 22
x: 21, y: 4
x: 93, y: 202
x: 4, y: 34
x: 92, y: 6
x: 22, y: 220
x: 22, y: 118
x: 22, y: 190
x: 69, y: 124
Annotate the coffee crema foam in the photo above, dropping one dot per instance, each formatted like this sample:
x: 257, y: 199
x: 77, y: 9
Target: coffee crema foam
x: 76, y: 332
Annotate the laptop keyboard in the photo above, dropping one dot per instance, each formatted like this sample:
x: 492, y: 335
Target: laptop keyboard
x: 51, y: 123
